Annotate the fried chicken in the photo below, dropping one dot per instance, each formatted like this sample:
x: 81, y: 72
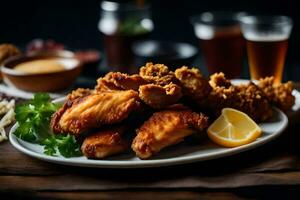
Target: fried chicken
x: 120, y: 81
x: 7, y: 51
x: 219, y: 80
x: 79, y: 93
x: 158, y: 97
x: 105, y: 143
x: 157, y: 74
x: 94, y: 110
x: 193, y: 84
x: 166, y: 128
x: 279, y: 95
x: 247, y: 98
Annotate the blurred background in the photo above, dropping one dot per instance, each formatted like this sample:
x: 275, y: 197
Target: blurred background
x: 75, y: 23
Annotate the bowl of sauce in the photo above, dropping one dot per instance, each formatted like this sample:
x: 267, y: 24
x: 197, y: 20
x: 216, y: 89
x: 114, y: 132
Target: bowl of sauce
x: 47, y: 71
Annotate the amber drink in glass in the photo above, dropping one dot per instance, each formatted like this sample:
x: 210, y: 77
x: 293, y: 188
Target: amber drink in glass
x: 221, y: 42
x: 267, y: 44
x: 121, y: 24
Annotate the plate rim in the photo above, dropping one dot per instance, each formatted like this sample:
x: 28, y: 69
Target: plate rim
x: 145, y: 163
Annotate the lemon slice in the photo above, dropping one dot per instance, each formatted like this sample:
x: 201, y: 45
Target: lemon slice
x: 233, y: 128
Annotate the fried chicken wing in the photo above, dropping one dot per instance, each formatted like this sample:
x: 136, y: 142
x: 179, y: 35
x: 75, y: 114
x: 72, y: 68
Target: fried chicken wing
x: 247, y: 98
x: 193, y: 84
x: 157, y: 74
x: 94, y: 110
x: 120, y: 81
x: 279, y: 95
x: 166, y: 128
x: 105, y: 143
x: 158, y: 97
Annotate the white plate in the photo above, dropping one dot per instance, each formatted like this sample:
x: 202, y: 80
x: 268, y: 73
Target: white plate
x: 179, y: 154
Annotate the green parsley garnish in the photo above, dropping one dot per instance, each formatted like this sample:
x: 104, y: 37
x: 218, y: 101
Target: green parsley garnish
x: 34, y: 118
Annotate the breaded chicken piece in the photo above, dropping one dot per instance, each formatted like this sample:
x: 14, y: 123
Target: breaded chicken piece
x: 94, y: 110
x: 120, y: 81
x: 105, y: 143
x: 158, y: 97
x: 157, y: 74
x: 219, y: 80
x: 166, y: 128
x: 247, y: 98
x: 193, y: 84
x: 279, y: 95
x: 79, y: 93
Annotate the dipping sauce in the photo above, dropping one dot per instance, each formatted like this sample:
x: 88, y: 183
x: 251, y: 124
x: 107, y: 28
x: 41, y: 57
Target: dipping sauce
x: 42, y: 66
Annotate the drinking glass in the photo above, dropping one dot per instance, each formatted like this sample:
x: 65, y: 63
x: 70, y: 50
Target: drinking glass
x: 267, y: 43
x: 221, y: 41
x: 121, y: 24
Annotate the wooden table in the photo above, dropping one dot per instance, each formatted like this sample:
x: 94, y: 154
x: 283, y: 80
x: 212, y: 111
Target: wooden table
x: 268, y: 171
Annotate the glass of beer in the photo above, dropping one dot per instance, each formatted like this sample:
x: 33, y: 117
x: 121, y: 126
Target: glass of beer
x: 221, y: 41
x: 267, y: 43
x: 121, y: 24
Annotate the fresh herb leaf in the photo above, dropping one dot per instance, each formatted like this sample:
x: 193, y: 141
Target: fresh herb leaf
x: 34, y: 119
x: 66, y: 145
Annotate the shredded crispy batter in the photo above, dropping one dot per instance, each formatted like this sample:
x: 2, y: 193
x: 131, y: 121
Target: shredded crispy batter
x: 157, y: 74
x: 247, y: 98
x: 193, y: 84
x: 279, y: 95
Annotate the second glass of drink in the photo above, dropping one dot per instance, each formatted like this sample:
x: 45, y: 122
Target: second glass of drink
x: 267, y: 42
x: 221, y: 42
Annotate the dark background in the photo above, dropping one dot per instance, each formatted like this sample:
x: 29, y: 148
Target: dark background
x: 75, y: 22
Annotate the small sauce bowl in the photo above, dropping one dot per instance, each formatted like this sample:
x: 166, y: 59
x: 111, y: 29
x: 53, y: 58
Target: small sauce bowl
x: 42, y: 82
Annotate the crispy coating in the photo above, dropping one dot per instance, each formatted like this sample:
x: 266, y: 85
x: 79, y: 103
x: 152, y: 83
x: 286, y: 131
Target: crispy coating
x: 166, y: 128
x: 279, y: 95
x: 157, y: 74
x: 94, y: 110
x: 193, y: 84
x: 79, y: 93
x: 105, y: 143
x: 8, y: 50
x: 120, y: 81
x: 158, y: 97
x: 247, y: 98
x: 219, y: 80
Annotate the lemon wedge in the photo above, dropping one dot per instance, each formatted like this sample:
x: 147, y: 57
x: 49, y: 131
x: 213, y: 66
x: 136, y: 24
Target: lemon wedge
x: 233, y: 128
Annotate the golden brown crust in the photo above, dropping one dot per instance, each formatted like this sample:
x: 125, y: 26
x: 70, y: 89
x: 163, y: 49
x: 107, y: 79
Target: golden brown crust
x: 219, y: 80
x: 158, y: 97
x: 105, y: 143
x: 157, y: 74
x: 166, y: 128
x: 193, y: 84
x: 279, y: 95
x: 79, y: 93
x: 94, y: 110
x: 120, y: 81
x: 247, y: 98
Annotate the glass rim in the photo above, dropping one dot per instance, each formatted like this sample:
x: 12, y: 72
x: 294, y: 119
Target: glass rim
x: 213, y: 18
x: 275, y: 20
x: 112, y: 6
